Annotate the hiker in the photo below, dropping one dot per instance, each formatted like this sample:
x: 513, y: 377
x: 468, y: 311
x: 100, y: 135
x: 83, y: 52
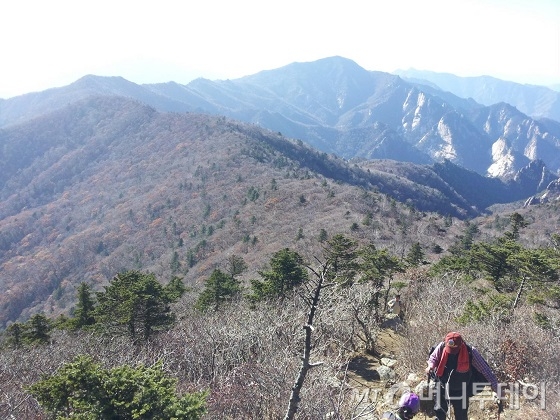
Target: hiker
x: 456, y: 365
x: 409, y: 405
x: 395, y: 305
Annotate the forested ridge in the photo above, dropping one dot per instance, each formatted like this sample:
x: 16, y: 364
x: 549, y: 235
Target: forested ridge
x: 109, y: 184
x: 188, y: 250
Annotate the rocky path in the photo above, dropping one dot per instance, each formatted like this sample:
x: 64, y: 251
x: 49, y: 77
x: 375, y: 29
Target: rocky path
x: 376, y: 387
x: 372, y: 377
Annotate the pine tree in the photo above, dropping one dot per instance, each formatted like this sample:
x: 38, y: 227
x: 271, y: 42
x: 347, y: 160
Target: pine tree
x: 535, y: 269
x: 219, y: 288
x: 84, y: 390
x: 37, y: 330
x: 83, y: 315
x: 341, y: 255
x: 494, y: 260
x: 14, y: 334
x: 175, y: 289
x: 136, y: 304
x: 415, y: 255
x: 377, y: 268
x: 377, y: 265
x: 517, y: 223
x: 286, y: 272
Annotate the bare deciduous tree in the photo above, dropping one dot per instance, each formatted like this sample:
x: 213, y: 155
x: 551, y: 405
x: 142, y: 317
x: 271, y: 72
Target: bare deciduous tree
x: 313, y: 300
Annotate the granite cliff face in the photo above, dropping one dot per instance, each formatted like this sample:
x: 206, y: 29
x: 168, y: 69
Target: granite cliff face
x: 550, y: 194
x: 535, y: 101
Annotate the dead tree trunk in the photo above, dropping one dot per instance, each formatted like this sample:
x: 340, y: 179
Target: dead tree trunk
x: 305, y: 360
x: 518, y: 294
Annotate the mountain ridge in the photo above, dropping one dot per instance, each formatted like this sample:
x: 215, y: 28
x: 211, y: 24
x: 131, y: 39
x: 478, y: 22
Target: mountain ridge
x: 108, y: 183
x: 536, y: 101
x: 325, y: 101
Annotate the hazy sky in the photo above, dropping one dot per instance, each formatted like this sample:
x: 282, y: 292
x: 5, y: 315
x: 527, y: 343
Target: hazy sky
x: 53, y: 43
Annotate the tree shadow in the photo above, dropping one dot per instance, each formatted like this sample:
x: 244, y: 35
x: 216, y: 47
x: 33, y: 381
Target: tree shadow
x: 365, y: 368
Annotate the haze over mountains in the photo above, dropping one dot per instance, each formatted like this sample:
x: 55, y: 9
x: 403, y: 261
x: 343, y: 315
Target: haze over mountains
x: 104, y: 174
x: 338, y: 107
x: 535, y: 101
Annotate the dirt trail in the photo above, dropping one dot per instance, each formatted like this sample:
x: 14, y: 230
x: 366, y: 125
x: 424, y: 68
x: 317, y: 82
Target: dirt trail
x: 364, y: 377
x: 362, y: 371
x: 389, y: 342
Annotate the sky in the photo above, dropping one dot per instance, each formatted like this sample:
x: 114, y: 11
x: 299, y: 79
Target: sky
x: 46, y: 44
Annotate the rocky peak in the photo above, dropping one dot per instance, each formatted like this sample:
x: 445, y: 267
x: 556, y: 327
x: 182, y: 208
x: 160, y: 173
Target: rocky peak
x: 551, y: 193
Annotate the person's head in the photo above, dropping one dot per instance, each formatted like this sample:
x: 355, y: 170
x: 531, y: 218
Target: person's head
x: 397, y: 297
x: 409, y: 405
x: 453, y: 342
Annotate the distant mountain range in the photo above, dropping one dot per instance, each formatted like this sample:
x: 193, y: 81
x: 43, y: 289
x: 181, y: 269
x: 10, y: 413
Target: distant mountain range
x: 338, y: 107
x: 539, y: 102
x: 104, y: 174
